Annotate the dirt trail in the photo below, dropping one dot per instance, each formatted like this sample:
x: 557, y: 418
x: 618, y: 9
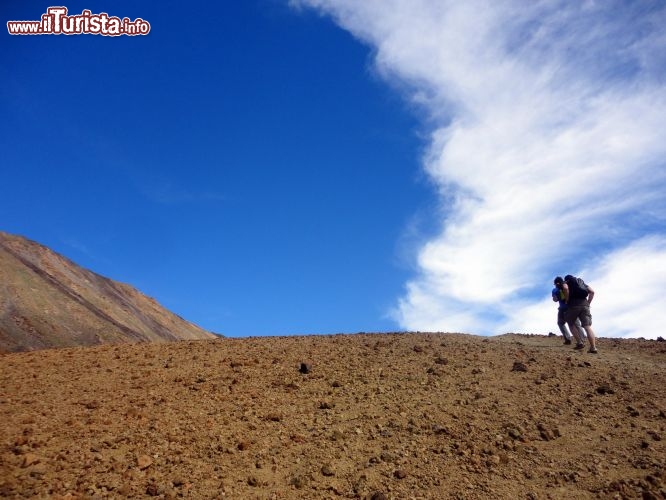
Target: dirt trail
x: 375, y: 416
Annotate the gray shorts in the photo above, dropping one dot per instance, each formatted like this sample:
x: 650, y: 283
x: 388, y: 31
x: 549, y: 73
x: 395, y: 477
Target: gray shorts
x: 579, y: 312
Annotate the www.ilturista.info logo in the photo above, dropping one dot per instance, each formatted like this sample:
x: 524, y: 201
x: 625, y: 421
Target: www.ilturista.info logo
x: 57, y: 22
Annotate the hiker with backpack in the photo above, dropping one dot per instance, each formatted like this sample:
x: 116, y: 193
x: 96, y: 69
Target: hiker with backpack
x: 578, y: 295
x: 558, y: 296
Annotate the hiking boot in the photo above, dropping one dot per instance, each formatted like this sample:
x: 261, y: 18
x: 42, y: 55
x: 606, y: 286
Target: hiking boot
x: 579, y: 347
x: 593, y: 350
x: 567, y: 341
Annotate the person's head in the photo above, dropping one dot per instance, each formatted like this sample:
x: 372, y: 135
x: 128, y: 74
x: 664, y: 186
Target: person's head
x: 558, y: 281
x: 568, y: 277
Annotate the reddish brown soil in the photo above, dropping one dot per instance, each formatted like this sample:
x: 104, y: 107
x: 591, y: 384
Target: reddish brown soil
x: 377, y: 416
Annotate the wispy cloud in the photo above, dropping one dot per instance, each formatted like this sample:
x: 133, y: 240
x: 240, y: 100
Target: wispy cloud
x: 164, y: 191
x: 547, y: 151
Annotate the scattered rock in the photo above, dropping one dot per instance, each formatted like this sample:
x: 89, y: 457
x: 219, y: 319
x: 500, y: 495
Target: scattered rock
x: 38, y: 470
x: 519, y: 366
x: 516, y: 433
x: 327, y: 471
x: 654, y: 435
x: 633, y: 412
x: 400, y: 474
x: 298, y: 482
x: 439, y: 429
x: 546, y: 433
x: 305, y: 368
x: 30, y: 459
x: 378, y: 495
x: 143, y: 462
x: 605, y: 389
x: 337, y: 435
x: 153, y: 490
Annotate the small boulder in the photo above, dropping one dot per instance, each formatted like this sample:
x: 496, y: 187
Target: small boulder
x: 30, y: 459
x: 400, y: 474
x: 143, y: 461
x: 519, y: 366
x: 327, y: 471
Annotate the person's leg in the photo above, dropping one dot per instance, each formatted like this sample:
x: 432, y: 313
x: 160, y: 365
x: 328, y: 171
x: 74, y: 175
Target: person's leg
x: 591, y: 337
x: 562, y: 324
x: 574, y: 331
x: 581, y: 330
x: 571, y: 316
x: 586, y: 322
x: 565, y: 333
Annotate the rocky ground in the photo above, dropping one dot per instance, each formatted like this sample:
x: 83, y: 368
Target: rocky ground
x: 373, y: 416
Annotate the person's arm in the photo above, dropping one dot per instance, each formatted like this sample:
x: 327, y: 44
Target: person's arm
x: 555, y: 294
x: 565, y: 289
x: 590, y: 294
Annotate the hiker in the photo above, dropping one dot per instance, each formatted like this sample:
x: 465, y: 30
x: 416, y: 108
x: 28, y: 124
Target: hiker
x: 578, y: 295
x: 558, y: 296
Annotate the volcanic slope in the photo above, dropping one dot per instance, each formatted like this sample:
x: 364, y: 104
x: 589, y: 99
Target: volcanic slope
x: 46, y: 300
x: 369, y: 416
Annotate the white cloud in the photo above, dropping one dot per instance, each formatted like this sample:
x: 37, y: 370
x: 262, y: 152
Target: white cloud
x: 547, y: 151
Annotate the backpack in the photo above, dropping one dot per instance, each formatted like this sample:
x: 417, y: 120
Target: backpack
x: 577, y: 288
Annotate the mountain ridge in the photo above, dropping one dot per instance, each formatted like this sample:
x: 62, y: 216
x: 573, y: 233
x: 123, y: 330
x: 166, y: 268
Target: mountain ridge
x: 47, y: 300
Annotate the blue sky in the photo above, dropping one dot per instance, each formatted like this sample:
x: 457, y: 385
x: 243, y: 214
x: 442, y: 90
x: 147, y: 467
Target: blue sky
x: 243, y: 166
x: 318, y: 166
